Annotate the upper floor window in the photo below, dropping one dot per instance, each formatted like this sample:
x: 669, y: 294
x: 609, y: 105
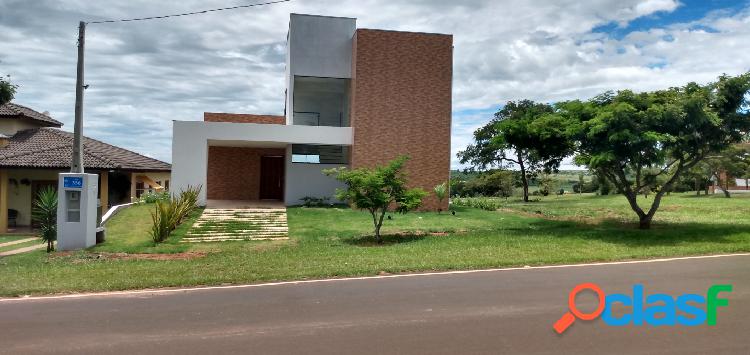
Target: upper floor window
x: 320, y: 101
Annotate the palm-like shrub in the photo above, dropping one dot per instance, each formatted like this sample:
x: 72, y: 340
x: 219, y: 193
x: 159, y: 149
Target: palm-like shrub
x: 440, y: 192
x: 45, y: 213
x: 167, y: 215
x: 164, y: 218
x: 186, y: 202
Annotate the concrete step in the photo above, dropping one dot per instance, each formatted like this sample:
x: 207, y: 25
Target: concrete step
x: 220, y: 235
x: 230, y: 240
x: 199, y: 235
x: 253, y: 224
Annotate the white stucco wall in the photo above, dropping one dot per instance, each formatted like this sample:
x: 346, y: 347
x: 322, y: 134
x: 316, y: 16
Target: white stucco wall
x: 308, y: 180
x: 190, y: 141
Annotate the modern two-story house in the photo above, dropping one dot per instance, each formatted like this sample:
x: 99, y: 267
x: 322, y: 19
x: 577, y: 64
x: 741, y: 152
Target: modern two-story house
x: 354, y: 97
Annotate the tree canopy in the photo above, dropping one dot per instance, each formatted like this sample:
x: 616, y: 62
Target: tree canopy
x: 525, y: 134
x: 637, y: 139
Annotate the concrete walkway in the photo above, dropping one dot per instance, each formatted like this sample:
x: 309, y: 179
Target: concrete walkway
x: 23, y: 250
x: 16, y: 242
x: 239, y: 220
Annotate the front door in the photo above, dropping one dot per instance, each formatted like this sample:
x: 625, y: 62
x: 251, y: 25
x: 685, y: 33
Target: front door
x: 272, y: 178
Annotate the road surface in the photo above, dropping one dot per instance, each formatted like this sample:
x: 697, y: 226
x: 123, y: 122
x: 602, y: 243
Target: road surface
x: 491, y: 312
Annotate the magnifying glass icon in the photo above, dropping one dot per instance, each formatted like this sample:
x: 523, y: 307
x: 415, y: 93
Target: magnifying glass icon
x: 569, y: 317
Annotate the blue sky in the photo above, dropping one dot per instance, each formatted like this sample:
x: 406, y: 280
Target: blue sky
x: 144, y: 75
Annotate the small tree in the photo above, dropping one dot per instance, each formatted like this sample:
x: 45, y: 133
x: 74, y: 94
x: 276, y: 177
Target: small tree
x: 547, y: 184
x: 45, y: 213
x: 375, y: 190
x: 7, y: 90
x: 440, y: 192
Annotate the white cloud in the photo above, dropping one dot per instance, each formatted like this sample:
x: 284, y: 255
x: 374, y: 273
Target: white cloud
x: 145, y: 74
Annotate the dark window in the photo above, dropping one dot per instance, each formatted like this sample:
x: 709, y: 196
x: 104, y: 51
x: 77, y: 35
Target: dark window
x: 319, y: 154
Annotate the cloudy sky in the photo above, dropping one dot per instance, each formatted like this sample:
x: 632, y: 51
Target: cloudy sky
x: 143, y: 75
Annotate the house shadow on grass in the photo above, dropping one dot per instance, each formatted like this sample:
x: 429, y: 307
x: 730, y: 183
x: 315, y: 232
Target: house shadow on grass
x: 628, y: 234
x: 388, y: 239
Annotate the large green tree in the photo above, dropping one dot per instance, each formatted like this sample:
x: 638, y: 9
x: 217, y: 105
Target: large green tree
x: 523, y: 134
x: 635, y: 139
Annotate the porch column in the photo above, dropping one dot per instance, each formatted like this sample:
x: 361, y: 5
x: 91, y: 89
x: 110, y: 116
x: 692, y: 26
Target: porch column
x: 104, y: 190
x: 3, y: 201
x: 133, y: 180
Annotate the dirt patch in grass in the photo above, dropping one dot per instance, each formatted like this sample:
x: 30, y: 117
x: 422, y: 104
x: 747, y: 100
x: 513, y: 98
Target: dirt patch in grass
x: 421, y: 233
x: 85, y: 257
x: 398, y: 237
x: 175, y: 256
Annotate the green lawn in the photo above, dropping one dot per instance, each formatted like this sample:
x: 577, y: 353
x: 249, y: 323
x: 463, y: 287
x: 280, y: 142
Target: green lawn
x: 333, y: 242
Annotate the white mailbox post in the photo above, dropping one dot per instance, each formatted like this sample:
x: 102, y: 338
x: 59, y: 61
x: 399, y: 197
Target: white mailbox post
x: 76, y: 211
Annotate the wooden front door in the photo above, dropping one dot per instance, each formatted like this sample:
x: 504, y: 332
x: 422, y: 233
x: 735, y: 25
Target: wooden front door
x: 36, y: 186
x: 272, y: 178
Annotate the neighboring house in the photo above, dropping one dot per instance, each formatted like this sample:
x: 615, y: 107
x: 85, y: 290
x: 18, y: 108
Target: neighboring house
x: 354, y: 97
x: 33, y: 150
x: 731, y: 183
x: 735, y: 184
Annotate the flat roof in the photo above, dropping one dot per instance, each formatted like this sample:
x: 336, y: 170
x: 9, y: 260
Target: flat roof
x: 341, y: 17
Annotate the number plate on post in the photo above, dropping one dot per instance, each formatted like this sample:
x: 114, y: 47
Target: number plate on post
x: 73, y: 182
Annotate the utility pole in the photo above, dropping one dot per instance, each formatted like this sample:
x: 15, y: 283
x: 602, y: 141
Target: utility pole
x: 76, y: 166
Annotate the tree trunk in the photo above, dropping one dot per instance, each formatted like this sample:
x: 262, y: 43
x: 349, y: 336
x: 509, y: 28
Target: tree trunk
x: 645, y: 222
x: 378, y: 223
x: 378, y: 238
x: 524, y: 179
x: 697, y: 187
x: 726, y: 187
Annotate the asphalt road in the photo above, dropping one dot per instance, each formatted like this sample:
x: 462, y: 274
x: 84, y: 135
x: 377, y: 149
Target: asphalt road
x: 481, y: 312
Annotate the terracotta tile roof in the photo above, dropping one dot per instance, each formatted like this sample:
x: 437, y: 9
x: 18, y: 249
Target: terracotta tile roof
x: 52, y: 148
x: 16, y: 111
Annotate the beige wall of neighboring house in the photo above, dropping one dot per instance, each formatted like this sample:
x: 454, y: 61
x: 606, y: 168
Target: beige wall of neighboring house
x: 10, y: 127
x: 19, y: 190
x: 146, y: 182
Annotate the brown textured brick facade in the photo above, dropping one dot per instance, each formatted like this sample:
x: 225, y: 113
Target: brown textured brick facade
x: 401, y: 104
x: 242, y: 118
x: 234, y: 172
